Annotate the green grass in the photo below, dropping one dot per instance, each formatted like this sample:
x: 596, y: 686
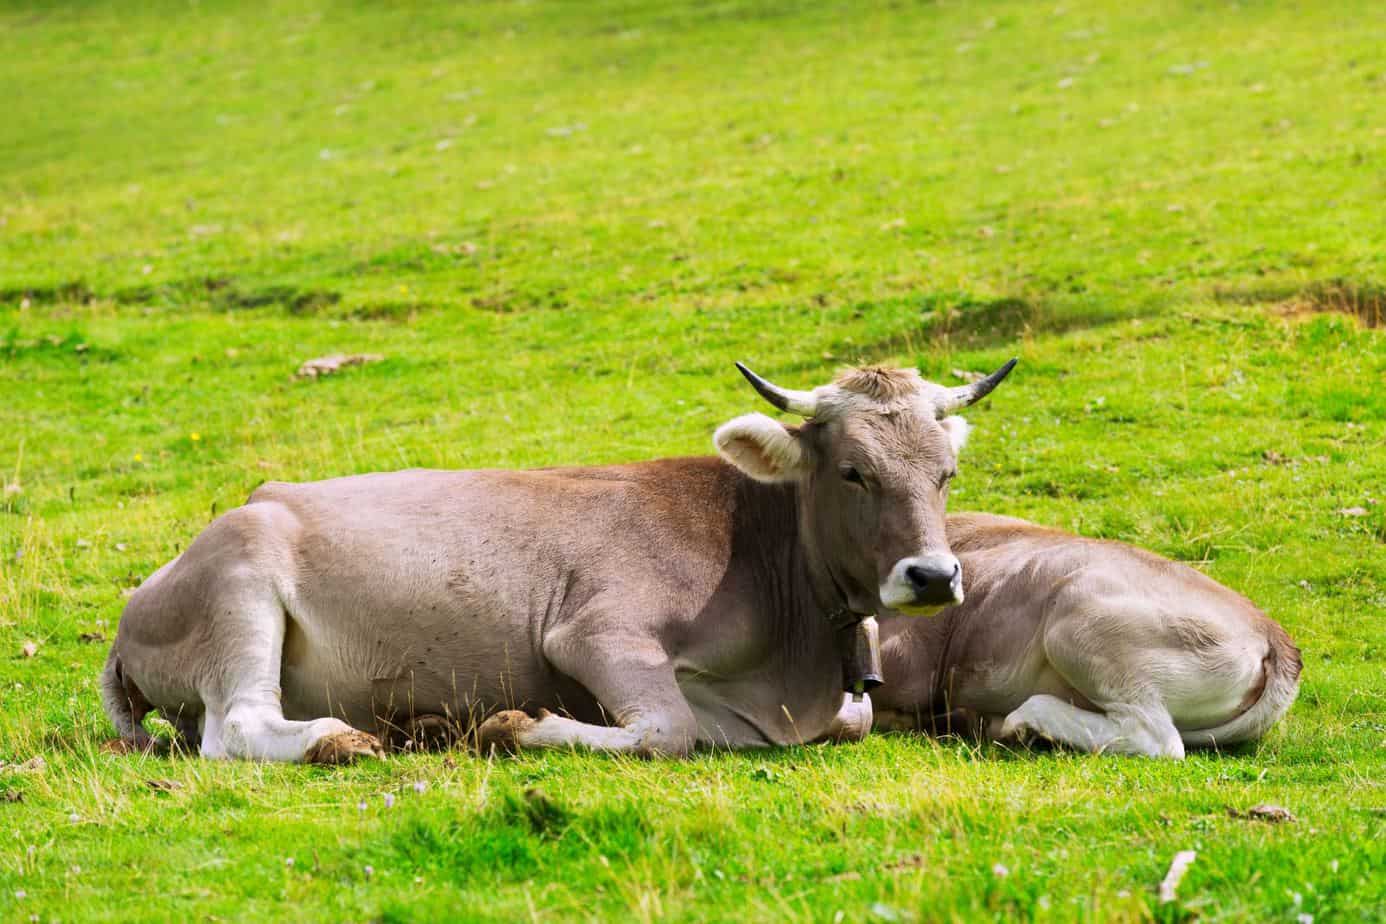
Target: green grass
x: 560, y: 223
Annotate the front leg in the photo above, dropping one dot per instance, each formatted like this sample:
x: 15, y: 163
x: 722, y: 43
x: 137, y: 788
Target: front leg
x: 631, y: 677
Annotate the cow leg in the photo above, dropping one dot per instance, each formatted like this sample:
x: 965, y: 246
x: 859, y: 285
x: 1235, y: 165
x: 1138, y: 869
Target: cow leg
x: 255, y: 728
x: 244, y: 717
x: 189, y: 738
x: 632, y: 679
x: 210, y: 734
x: 1090, y: 643
x: 852, y: 722
x: 1143, y: 732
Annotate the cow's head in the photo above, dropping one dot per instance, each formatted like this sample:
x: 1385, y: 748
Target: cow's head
x: 872, y: 462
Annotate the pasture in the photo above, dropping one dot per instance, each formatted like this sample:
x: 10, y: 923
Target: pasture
x: 558, y: 224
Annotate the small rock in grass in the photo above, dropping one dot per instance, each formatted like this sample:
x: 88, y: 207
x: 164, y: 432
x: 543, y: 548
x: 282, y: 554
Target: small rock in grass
x: 327, y: 365
x: 1353, y: 512
x: 1275, y: 814
x: 29, y: 649
x: 164, y: 785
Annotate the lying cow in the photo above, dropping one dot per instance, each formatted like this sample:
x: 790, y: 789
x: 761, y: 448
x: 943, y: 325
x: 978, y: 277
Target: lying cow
x: 685, y: 601
x: 1096, y: 645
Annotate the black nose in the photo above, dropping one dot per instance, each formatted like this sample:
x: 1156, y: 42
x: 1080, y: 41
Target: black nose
x: 932, y: 583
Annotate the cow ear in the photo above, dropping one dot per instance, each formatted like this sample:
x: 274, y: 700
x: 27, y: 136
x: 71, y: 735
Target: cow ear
x: 764, y: 449
x: 957, y: 429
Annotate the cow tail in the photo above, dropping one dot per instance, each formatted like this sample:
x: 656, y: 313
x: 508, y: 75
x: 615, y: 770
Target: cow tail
x: 1281, y: 670
x: 125, y: 705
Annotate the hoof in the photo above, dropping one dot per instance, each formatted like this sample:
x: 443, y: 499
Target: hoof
x: 1014, y: 730
x: 343, y: 748
x: 501, y: 732
x: 428, y: 733
x: 1018, y: 732
x: 123, y: 746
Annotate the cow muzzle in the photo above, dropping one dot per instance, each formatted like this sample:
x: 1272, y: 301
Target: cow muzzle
x: 923, y: 585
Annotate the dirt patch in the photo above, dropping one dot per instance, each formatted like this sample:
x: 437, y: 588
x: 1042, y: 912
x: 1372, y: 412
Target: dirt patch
x: 515, y: 302
x: 220, y: 292
x: 397, y: 312
x: 230, y: 297
x: 1367, y: 303
x: 1364, y: 301
x: 66, y: 293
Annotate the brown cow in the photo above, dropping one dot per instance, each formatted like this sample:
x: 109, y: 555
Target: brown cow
x: 1094, y: 644
x: 683, y: 601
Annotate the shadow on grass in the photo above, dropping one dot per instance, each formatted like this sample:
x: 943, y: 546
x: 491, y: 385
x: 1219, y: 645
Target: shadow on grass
x: 959, y: 321
x: 1011, y: 752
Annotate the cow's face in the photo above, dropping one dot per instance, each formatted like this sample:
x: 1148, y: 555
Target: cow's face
x: 873, y: 464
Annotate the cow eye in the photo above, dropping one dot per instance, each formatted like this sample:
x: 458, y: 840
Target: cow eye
x: 947, y: 477
x: 852, y: 476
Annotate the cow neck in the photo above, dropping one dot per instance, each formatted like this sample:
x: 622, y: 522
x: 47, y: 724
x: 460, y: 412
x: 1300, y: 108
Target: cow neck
x: 796, y: 584
x: 828, y: 595
x: 838, y: 611
x: 855, y: 633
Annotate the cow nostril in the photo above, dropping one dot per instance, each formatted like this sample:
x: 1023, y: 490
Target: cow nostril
x: 917, y: 576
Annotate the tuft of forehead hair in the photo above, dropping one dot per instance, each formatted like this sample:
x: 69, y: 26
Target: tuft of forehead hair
x: 875, y: 388
x: 881, y: 383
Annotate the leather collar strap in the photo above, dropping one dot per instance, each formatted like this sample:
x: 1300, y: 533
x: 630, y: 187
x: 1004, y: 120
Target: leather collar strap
x: 844, y: 617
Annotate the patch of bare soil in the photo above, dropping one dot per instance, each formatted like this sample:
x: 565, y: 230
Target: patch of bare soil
x: 1366, y: 303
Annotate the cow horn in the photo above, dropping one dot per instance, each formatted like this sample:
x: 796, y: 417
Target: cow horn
x: 803, y: 403
x: 960, y: 397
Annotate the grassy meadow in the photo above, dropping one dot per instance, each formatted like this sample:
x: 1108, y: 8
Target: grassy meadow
x: 559, y: 224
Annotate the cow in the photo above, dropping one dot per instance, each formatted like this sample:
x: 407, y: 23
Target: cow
x: 645, y: 608
x: 1092, y: 644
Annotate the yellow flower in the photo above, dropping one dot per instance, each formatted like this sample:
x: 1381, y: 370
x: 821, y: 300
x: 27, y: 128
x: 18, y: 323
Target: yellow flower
x: 194, y: 436
x: 139, y: 457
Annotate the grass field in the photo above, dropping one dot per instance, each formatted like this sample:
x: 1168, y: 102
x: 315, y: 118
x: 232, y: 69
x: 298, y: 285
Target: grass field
x: 559, y: 224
